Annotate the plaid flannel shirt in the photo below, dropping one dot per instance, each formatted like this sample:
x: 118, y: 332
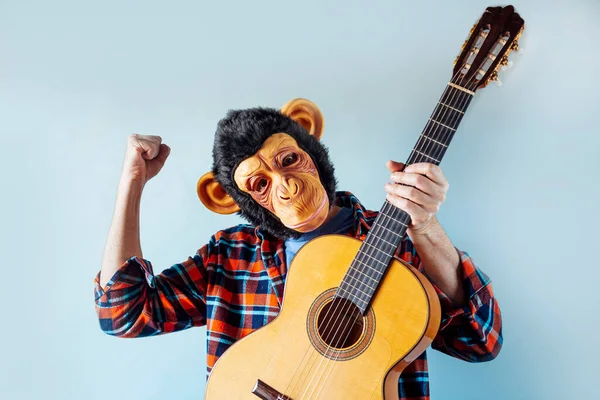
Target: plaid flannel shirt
x: 234, y: 285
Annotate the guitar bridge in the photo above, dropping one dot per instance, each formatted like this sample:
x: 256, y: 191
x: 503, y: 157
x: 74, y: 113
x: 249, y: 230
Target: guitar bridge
x: 266, y: 392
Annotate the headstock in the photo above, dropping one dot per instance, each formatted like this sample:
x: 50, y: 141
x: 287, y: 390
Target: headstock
x: 490, y: 42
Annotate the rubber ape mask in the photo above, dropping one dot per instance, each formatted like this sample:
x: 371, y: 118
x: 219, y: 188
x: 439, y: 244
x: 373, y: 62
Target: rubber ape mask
x: 269, y: 166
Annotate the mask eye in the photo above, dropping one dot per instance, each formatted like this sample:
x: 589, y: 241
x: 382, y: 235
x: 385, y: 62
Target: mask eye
x: 261, y: 185
x: 289, y: 159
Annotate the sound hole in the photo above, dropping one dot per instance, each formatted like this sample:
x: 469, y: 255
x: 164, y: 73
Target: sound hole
x: 340, y: 323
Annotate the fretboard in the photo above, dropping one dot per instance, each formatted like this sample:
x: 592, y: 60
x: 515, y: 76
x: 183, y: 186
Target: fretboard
x: 378, y: 248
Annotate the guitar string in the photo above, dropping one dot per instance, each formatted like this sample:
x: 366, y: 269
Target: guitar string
x: 433, y: 133
x: 437, y: 109
x: 418, y: 157
x: 447, y: 134
x: 421, y: 138
x: 437, y: 129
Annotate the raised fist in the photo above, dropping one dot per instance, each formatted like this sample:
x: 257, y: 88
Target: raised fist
x: 144, y: 158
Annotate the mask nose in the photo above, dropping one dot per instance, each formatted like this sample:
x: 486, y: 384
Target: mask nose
x: 288, y: 189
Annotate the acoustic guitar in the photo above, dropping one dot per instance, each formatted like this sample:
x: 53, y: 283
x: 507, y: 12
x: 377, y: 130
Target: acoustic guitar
x: 353, y: 316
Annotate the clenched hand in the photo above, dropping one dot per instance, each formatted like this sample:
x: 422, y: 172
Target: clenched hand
x: 144, y: 158
x: 420, y: 191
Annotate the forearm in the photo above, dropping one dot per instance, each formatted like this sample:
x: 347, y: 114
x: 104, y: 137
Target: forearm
x: 440, y: 260
x: 124, y: 236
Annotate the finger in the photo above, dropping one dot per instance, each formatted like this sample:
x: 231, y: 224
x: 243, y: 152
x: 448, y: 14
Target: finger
x: 410, y: 193
x: 416, y: 212
x: 163, y: 153
x: 147, y: 145
x: 155, y: 139
x: 394, y: 166
x: 430, y: 170
x: 153, y: 151
x: 419, y: 181
x: 149, y: 149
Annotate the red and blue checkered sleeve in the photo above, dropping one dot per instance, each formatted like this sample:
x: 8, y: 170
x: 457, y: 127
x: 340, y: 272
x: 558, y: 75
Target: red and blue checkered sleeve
x: 137, y: 303
x: 472, y: 332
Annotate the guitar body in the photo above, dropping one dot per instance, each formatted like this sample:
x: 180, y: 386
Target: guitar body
x: 289, y: 354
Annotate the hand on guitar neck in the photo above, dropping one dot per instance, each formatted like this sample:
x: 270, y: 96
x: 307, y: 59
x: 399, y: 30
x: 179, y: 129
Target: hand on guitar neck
x: 420, y: 189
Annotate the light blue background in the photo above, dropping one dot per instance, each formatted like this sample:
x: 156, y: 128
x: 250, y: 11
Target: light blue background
x: 76, y: 78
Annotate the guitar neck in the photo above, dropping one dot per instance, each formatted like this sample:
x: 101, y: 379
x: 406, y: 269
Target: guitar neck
x: 441, y: 126
x: 377, y: 250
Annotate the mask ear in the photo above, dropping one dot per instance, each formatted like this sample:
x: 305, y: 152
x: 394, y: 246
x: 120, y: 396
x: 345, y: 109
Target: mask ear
x: 307, y: 114
x: 214, y: 197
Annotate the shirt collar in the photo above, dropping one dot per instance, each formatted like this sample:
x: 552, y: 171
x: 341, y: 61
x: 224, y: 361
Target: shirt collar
x: 363, y: 218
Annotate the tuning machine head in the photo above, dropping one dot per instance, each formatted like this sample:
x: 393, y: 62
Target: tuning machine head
x: 505, y: 63
x: 486, y: 50
x: 494, y: 78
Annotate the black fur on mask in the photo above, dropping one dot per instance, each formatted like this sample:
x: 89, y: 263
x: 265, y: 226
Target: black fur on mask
x: 240, y: 135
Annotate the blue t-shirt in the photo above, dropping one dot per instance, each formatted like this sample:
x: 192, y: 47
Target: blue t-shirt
x: 340, y: 223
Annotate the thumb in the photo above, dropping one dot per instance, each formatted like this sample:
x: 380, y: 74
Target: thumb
x: 395, y: 166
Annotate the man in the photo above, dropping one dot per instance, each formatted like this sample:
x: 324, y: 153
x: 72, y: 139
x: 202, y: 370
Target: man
x: 282, y: 180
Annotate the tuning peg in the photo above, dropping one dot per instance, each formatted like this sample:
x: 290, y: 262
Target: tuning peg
x: 516, y: 48
x: 494, y: 77
x: 506, y: 66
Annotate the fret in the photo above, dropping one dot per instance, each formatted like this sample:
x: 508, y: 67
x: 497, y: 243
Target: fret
x: 359, y: 282
x: 352, y: 296
x: 433, y: 140
x: 379, y: 261
x: 457, y: 99
x: 450, y: 107
x: 437, y: 124
x: 379, y: 238
x: 355, y: 295
x: 431, y: 149
x: 446, y: 116
x: 364, y: 272
x: 394, y: 219
x: 381, y: 226
x: 445, y: 126
x: 377, y: 248
x: 416, y: 151
x: 367, y: 275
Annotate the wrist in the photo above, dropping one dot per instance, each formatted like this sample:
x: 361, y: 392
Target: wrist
x: 129, y: 185
x: 129, y: 179
x: 424, y: 231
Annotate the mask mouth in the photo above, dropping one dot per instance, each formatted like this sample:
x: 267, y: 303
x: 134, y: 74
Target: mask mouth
x: 312, y: 217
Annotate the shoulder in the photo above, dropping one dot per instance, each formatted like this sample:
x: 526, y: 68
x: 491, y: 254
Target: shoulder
x: 235, y: 243
x: 242, y: 233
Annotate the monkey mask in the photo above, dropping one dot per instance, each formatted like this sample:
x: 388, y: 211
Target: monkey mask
x: 271, y: 168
